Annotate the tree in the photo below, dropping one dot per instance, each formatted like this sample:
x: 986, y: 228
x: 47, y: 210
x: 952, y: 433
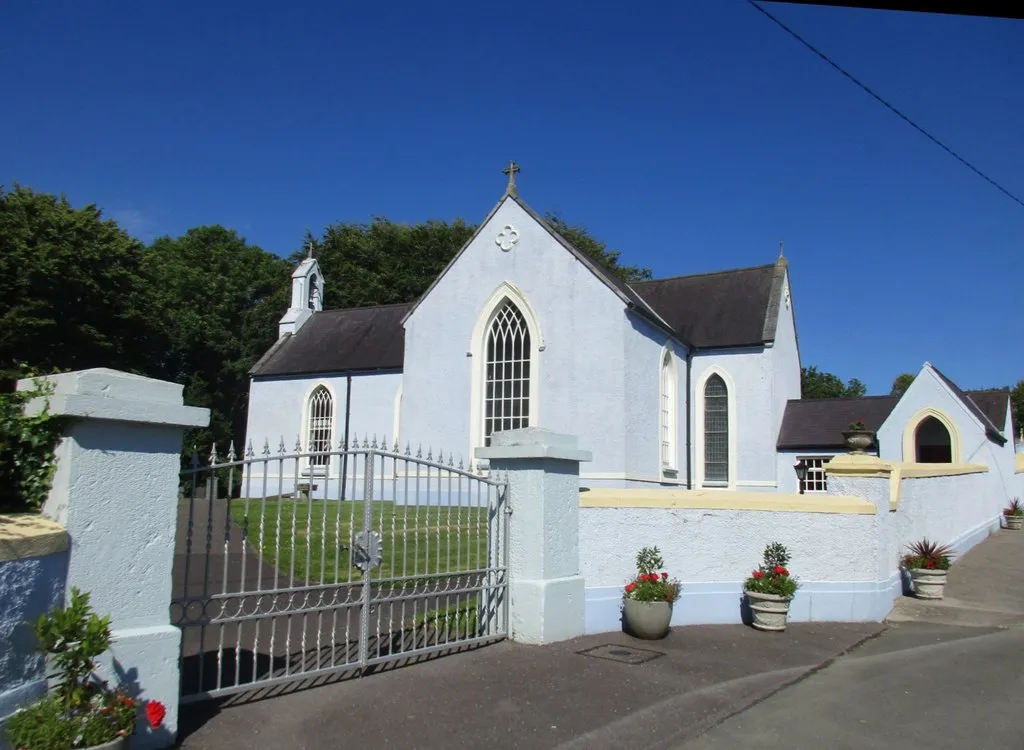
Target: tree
x: 72, y: 293
x: 384, y: 262
x: 217, y: 301
x: 816, y: 384
x: 583, y: 241
x: 901, y: 383
x: 1017, y: 406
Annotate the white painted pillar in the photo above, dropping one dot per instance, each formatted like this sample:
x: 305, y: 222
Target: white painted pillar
x: 546, y: 589
x: 115, y: 492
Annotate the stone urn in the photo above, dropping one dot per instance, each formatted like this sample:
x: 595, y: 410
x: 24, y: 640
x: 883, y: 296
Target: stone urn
x: 768, y: 611
x: 647, y: 620
x: 928, y: 584
x: 858, y: 441
x: 1014, y: 522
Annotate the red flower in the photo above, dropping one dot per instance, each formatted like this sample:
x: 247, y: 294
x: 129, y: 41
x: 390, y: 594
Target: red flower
x: 758, y: 574
x: 630, y: 587
x: 781, y: 571
x: 651, y: 577
x: 664, y: 576
x: 155, y: 712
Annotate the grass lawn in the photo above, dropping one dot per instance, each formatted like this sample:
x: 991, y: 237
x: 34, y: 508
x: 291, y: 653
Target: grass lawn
x: 315, y: 537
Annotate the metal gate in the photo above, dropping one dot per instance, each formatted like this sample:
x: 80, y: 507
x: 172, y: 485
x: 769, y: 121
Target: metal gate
x: 295, y: 565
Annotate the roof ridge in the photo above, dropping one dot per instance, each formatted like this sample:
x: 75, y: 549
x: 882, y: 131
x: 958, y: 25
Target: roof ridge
x: 365, y: 307
x: 840, y: 398
x: 705, y: 273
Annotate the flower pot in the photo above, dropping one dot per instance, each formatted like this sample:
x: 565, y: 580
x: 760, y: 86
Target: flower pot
x: 928, y: 584
x: 1014, y: 522
x: 859, y: 441
x: 647, y: 620
x: 768, y: 611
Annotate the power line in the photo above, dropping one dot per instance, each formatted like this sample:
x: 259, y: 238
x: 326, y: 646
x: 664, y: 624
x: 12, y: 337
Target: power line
x: 887, y: 105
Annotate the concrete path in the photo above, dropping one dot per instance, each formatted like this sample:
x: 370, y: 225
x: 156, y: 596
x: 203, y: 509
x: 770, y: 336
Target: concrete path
x: 946, y: 674
x: 513, y: 696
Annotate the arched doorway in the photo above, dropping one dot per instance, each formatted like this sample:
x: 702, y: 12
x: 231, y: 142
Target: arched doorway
x: 932, y: 442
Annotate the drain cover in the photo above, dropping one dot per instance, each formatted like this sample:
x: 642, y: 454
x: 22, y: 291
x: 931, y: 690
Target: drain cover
x: 625, y: 654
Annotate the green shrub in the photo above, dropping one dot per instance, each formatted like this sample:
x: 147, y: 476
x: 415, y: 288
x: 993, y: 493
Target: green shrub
x: 27, y: 450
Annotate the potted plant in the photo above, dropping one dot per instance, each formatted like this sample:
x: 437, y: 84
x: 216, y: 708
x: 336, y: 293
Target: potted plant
x: 927, y: 563
x: 81, y: 711
x: 770, y: 588
x: 648, y: 598
x: 1014, y: 515
x: 858, y: 438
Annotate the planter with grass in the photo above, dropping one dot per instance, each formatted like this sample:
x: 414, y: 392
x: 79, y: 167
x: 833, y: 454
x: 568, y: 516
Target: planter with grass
x: 647, y: 600
x: 82, y: 711
x: 927, y: 563
x: 770, y: 589
x: 1013, y: 514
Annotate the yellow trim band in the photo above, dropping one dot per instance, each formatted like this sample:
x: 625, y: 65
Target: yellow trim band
x: 776, y: 502
x: 1020, y: 463
x: 852, y: 465
x: 30, y: 535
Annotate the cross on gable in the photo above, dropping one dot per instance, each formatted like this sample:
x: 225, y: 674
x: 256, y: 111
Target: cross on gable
x: 511, y: 171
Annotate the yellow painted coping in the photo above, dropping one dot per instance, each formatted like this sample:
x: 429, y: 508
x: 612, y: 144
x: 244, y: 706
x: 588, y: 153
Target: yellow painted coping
x: 854, y: 465
x: 30, y: 535
x: 1020, y: 463
x: 604, y: 497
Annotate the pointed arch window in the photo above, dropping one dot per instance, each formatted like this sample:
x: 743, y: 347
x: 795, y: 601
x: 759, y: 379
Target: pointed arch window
x: 507, y: 372
x: 668, y: 413
x: 321, y: 424
x: 716, y: 431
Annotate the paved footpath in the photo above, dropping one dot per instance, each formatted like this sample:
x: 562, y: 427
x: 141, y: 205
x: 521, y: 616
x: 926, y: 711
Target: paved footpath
x: 946, y: 673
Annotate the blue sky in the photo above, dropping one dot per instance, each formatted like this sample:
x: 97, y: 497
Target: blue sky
x: 692, y: 136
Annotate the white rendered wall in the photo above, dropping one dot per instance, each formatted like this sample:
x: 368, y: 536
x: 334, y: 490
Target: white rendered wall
x: 835, y: 557
x: 785, y: 357
x: 975, y: 446
x: 643, y: 353
x: 785, y: 466
x: 582, y: 388
x: 751, y: 371
x: 277, y: 407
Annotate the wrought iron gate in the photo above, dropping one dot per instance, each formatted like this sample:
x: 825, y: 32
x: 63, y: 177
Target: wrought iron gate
x: 294, y: 565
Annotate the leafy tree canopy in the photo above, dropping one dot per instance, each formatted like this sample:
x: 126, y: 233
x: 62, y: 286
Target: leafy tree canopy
x: 71, y: 292
x: 817, y: 384
x: 901, y: 383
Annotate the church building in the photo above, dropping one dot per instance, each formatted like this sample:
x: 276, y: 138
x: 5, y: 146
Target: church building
x: 689, y: 381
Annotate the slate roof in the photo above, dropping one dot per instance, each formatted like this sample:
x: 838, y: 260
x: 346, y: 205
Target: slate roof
x: 356, y: 339
x: 993, y: 403
x: 711, y: 310
x: 720, y: 309
x: 990, y: 429
x: 819, y: 422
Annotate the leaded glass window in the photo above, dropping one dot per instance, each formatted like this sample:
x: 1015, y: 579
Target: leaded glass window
x: 507, y: 377
x: 321, y: 421
x: 716, y: 432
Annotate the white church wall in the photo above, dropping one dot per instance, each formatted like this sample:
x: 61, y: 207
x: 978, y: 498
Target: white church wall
x: 752, y: 432
x: 581, y: 368
x: 786, y: 465
x: 785, y: 356
x: 975, y: 447
x: 277, y: 407
x: 644, y: 348
x: 712, y: 549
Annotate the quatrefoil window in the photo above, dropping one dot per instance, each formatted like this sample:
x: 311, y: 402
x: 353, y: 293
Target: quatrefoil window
x: 507, y: 238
